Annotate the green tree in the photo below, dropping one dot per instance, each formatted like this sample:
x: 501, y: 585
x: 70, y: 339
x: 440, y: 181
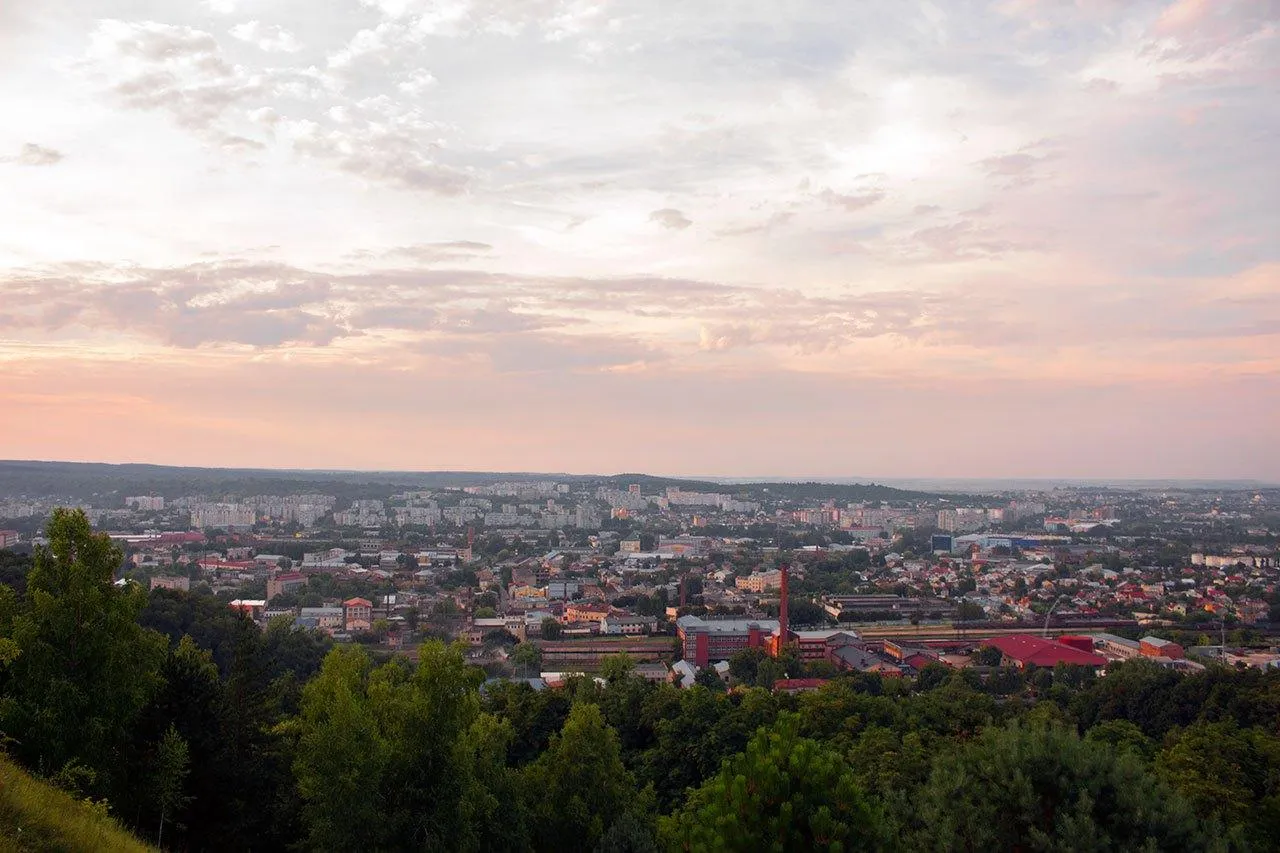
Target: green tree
x: 614, y: 668
x: 551, y: 629
x: 785, y: 793
x: 380, y: 760
x: 744, y: 665
x: 578, y: 787
x: 527, y: 659
x: 84, y: 668
x: 1043, y: 788
x: 1228, y: 773
x: 172, y: 765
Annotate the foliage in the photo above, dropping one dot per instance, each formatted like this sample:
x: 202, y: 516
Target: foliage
x: 84, y: 668
x: 1044, y: 788
x: 785, y: 793
x: 578, y: 787
x: 380, y: 762
x: 35, y: 816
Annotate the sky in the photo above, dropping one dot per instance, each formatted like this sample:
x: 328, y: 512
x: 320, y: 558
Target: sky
x: 1028, y: 238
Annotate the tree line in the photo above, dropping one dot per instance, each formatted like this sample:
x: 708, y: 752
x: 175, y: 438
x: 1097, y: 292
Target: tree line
x: 201, y: 731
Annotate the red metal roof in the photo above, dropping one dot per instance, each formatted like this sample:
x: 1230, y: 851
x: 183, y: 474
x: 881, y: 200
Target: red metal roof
x: 1030, y: 649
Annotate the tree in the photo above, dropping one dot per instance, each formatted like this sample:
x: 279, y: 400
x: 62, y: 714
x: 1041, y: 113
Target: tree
x: 988, y: 656
x: 551, y: 629
x: 785, y: 793
x: 380, y: 760
x: 527, y: 659
x: 745, y: 664
x: 1044, y: 788
x: 172, y: 764
x: 614, y: 668
x: 1228, y: 773
x: 84, y: 668
x: 578, y: 787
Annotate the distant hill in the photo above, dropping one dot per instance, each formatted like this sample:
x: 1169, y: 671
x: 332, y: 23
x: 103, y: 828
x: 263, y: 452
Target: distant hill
x: 97, y: 480
x: 35, y: 816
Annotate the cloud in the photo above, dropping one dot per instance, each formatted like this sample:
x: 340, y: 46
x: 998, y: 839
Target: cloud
x: 669, y: 217
x: 380, y: 153
x: 270, y: 38
x: 38, y: 155
x: 852, y: 202
x: 777, y: 220
x: 176, y: 69
x: 416, y: 82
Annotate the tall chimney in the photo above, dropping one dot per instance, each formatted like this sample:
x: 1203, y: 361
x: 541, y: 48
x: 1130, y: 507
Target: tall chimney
x: 783, y: 635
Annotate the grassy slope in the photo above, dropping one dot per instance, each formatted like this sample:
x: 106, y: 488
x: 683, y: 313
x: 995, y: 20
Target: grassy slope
x: 35, y: 816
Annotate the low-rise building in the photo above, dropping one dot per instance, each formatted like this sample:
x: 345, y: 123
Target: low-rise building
x: 615, y: 624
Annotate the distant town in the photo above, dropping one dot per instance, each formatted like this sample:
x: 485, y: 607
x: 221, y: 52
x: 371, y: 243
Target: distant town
x: 546, y: 577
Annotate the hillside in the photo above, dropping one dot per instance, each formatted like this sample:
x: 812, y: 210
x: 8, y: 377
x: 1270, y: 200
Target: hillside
x: 35, y: 816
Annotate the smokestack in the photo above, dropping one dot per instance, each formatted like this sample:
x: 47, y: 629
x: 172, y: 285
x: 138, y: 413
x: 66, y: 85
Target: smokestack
x: 783, y: 635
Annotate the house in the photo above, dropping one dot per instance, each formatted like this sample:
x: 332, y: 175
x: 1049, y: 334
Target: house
x: 684, y: 674
x: 861, y: 659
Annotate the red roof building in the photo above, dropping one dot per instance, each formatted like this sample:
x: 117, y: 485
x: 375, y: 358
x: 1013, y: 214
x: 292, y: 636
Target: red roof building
x: 1022, y: 650
x: 797, y: 685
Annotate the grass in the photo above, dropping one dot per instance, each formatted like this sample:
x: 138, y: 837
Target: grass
x: 36, y: 816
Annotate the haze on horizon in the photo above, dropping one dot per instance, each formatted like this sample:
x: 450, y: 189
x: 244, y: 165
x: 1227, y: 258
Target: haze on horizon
x: 1007, y: 239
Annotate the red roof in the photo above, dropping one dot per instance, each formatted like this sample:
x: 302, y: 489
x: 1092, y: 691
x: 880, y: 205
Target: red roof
x: 1030, y: 649
x: 798, y: 683
x: 357, y: 602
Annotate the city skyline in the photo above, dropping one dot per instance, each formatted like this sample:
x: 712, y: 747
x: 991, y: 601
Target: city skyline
x: 1017, y: 239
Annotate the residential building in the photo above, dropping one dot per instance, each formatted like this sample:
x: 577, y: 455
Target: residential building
x: 179, y: 582
x: 285, y: 583
x: 357, y: 614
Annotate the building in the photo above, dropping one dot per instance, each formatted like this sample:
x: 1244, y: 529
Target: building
x: 328, y: 619
x: 1116, y: 647
x: 705, y: 640
x: 8, y: 538
x: 1154, y: 647
x: 357, y: 614
x: 251, y: 607
x: 1023, y: 650
x: 758, y: 582
x: 627, y: 625
x: 585, y: 612
x: 178, y: 582
x: 145, y: 503
x: 285, y: 583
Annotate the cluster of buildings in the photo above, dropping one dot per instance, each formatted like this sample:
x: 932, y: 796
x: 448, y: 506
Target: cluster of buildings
x: 628, y: 563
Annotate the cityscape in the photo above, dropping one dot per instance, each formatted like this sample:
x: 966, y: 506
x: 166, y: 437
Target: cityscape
x: 639, y: 426
x: 565, y: 564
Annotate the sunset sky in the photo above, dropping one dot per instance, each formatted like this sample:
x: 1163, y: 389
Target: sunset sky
x: 1022, y: 238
